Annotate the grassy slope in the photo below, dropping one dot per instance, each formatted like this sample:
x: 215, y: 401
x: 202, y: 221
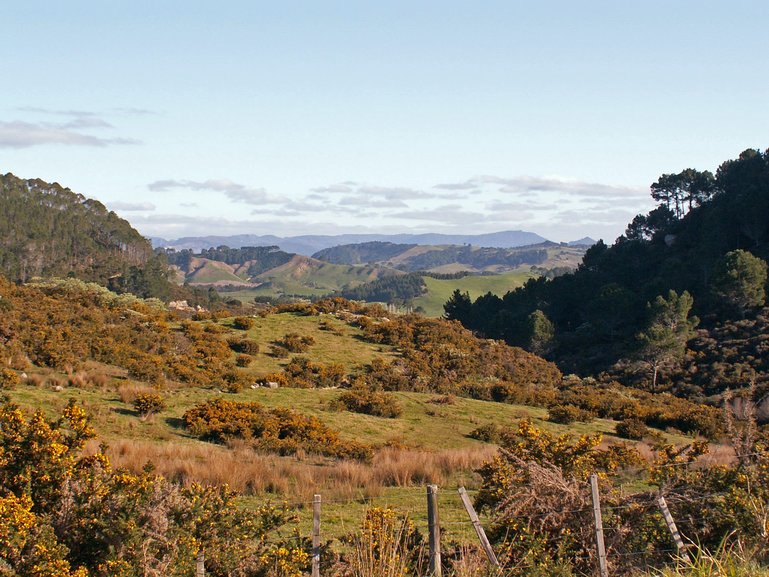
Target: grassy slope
x: 425, y: 424
x: 439, y: 291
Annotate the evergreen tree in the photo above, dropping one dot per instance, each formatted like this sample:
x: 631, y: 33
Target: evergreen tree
x: 739, y: 279
x: 668, y: 329
x: 458, y: 307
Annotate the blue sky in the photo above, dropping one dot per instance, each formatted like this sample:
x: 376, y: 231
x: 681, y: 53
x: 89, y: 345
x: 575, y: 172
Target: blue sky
x: 323, y: 117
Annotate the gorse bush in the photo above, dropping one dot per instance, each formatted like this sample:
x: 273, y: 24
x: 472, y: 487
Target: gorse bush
x: 147, y: 404
x: 566, y: 414
x: 276, y: 430
x: 296, y: 343
x: 363, y: 399
x: 243, y: 323
x: 302, y: 373
x: 65, y: 514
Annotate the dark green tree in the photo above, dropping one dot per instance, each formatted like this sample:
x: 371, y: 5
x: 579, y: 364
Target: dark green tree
x: 459, y: 307
x: 739, y: 279
x: 668, y: 329
x: 541, y: 333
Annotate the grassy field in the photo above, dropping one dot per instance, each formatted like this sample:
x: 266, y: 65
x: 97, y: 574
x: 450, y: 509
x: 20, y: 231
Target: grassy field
x: 428, y: 443
x: 439, y: 291
x: 335, y: 341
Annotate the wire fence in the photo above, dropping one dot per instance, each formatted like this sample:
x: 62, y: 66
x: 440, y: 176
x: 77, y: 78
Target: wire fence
x: 648, y: 555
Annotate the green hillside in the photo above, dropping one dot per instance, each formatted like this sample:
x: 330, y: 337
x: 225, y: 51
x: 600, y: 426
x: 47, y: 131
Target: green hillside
x: 439, y: 290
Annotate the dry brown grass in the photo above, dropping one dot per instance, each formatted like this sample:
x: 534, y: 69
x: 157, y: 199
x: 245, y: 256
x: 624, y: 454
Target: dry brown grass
x: 251, y: 472
x: 129, y: 391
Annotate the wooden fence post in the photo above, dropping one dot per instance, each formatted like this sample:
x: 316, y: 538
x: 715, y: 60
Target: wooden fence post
x: 316, y: 536
x: 200, y: 564
x: 672, y: 527
x: 478, y: 527
x: 598, y: 526
x: 435, y: 530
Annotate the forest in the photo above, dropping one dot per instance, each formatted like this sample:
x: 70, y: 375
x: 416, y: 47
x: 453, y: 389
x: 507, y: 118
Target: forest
x: 676, y: 303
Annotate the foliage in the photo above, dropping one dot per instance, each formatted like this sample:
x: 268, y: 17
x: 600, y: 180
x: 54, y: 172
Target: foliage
x: 147, y: 404
x: 243, y: 323
x: 244, y: 346
x: 276, y: 430
x: 9, y: 379
x: 401, y: 288
x: 387, y: 545
x: 300, y: 372
x: 598, y: 311
x: 369, y: 401
x: 488, y: 433
x: 739, y: 279
x: 61, y: 509
x: 536, y: 488
x: 567, y: 414
x: 296, y: 343
x: 668, y: 329
x: 361, y: 253
x: 48, y: 230
x: 631, y: 428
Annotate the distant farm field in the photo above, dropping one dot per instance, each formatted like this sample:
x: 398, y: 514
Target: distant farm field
x: 439, y: 291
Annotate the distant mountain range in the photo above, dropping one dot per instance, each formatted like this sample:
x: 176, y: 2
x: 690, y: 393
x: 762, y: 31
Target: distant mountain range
x: 308, y: 245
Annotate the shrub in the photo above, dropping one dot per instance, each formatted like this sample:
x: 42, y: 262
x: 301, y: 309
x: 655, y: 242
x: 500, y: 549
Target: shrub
x: 567, y: 414
x: 9, y: 379
x: 634, y: 429
x: 245, y: 346
x: 147, y: 404
x: 243, y: 360
x: 279, y: 431
x: 362, y: 399
x: 296, y: 343
x: 304, y: 374
x: 243, y: 323
x: 488, y: 433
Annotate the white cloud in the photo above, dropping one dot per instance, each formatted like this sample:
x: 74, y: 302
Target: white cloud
x: 132, y: 206
x: 232, y: 190
x: 20, y: 134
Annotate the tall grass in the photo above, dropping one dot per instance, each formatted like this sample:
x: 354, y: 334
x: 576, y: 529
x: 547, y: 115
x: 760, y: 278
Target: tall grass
x: 729, y: 561
x: 254, y: 473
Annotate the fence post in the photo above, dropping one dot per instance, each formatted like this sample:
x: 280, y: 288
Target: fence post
x: 316, y: 536
x: 672, y: 527
x: 598, y: 526
x: 435, y: 530
x: 200, y: 564
x: 478, y: 527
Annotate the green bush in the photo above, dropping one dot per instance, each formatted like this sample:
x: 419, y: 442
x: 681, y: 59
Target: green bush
x: 295, y: 343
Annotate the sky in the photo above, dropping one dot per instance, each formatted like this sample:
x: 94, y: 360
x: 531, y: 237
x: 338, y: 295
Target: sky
x: 192, y: 118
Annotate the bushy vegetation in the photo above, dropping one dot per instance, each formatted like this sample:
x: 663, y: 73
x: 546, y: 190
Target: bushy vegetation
x: 567, y: 414
x: 364, y: 399
x: 276, y: 430
x: 61, y: 324
x: 147, y: 404
x: 68, y: 514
